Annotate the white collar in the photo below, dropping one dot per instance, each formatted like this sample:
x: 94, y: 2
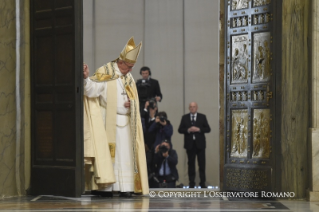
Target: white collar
x: 195, y: 114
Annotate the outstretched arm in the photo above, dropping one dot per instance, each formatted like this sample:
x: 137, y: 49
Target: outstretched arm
x: 92, y: 89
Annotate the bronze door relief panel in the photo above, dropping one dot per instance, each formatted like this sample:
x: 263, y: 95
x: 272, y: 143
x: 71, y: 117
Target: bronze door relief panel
x: 249, y: 86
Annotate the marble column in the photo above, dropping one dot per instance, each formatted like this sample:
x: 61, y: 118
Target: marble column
x: 314, y: 130
x: 7, y: 99
x: 294, y: 92
x: 14, y: 98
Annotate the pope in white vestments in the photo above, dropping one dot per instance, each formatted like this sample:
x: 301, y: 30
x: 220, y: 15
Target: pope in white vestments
x: 113, y: 138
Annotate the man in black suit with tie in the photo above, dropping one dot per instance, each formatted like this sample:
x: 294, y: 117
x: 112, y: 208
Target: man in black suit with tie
x: 148, y: 88
x: 194, y: 126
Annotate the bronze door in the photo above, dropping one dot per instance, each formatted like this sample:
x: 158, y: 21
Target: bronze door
x: 249, y: 92
x: 56, y: 97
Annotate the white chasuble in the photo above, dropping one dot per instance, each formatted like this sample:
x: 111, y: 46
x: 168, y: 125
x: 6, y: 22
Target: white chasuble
x: 122, y: 162
x: 114, y: 150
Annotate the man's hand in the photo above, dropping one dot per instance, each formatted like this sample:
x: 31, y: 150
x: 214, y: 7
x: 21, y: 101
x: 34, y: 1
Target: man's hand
x: 157, y: 148
x: 163, y: 123
x: 147, y: 103
x: 193, y: 129
x: 127, y: 104
x: 86, y: 71
x: 158, y: 98
x: 166, y: 144
x: 165, y: 154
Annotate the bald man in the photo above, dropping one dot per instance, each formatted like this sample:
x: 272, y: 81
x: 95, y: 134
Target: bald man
x: 194, y: 126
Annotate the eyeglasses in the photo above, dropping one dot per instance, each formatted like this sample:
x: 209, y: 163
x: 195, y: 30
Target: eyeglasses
x: 129, y: 67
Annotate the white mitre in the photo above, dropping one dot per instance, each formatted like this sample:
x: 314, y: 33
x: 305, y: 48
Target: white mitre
x: 130, y: 52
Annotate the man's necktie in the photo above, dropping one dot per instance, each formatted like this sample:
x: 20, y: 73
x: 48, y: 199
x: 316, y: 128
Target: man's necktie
x: 193, y: 123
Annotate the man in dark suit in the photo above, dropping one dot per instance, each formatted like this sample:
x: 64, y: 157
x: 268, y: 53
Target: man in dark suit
x: 148, y: 88
x: 194, y: 126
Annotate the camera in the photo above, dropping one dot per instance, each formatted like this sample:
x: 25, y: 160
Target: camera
x: 163, y: 118
x: 152, y: 176
x: 143, y: 89
x: 163, y: 148
x: 152, y: 102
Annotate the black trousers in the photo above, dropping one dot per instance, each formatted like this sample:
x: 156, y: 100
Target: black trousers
x: 191, y: 154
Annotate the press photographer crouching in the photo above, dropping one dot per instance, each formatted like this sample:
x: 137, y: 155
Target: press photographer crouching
x: 165, y: 161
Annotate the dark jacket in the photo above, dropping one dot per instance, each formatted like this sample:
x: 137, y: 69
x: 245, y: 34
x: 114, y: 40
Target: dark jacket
x: 201, y: 123
x: 172, y: 162
x: 149, y: 137
x: 155, y: 89
x: 162, y: 132
x: 152, y: 91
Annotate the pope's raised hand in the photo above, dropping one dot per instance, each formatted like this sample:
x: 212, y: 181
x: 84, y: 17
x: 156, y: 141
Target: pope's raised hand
x: 86, y: 71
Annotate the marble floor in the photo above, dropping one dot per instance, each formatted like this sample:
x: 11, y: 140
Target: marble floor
x: 190, y: 200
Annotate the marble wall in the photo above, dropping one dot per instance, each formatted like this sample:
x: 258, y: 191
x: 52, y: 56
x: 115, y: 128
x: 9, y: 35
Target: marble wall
x: 14, y: 99
x: 7, y: 99
x: 295, y: 96
x: 180, y: 45
x: 314, y: 128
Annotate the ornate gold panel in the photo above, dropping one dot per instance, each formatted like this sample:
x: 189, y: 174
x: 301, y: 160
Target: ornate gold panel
x: 239, y: 21
x: 238, y: 178
x: 239, y: 4
x: 261, y: 133
x: 261, y: 52
x: 239, y: 134
x: 258, y: 95
x: 239, y: 96
x: 240, y: 57
x: 249, y: 89
x: 261, y: 18
x: 261, y: 2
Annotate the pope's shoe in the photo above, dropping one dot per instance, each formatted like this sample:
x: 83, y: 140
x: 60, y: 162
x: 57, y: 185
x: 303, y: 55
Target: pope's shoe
x: 102, y: 193
x: 126, y: 194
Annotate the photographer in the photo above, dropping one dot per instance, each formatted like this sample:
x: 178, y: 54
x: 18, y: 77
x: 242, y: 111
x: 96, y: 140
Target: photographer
x: 149, y: 114
x: 163, y: 129
x: 165, y: 161
x: 147, y: 87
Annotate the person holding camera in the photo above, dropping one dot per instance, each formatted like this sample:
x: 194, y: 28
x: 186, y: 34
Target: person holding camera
x: 163, y: 129
x: 148, y: 116
x: 165, y: 161
x: 147, y: 87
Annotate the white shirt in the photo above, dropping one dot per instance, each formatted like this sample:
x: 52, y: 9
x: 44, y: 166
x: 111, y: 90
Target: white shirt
x: 195, y: 116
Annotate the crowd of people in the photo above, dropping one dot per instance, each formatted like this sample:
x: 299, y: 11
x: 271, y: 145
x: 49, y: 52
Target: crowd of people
x: 158, y: 130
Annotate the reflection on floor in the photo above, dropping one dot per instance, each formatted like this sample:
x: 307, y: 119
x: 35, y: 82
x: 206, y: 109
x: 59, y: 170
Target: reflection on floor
x: 190, y: 200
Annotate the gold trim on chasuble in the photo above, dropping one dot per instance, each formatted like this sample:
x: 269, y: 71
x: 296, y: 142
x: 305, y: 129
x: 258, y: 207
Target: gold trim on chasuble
x: 112, y: 147
x: 128, y: 84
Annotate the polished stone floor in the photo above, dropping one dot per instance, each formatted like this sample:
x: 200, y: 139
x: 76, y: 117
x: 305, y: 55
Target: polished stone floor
x: 191, y: 200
